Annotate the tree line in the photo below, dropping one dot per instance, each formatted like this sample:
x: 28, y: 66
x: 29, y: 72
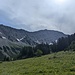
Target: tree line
x: 63, y: 44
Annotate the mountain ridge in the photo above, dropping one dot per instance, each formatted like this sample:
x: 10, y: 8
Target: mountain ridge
x: 12, y: 40
x: 41, y: 35
x: 28, y: 30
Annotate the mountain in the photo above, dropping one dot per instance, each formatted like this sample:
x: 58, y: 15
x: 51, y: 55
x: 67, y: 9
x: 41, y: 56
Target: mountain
x: 29, y: 38
x: 15, y: 35
x: 46, y: 36
x: 11, y: 39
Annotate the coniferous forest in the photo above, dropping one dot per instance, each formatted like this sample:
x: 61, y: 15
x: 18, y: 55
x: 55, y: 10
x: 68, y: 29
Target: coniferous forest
x: 63, y: 44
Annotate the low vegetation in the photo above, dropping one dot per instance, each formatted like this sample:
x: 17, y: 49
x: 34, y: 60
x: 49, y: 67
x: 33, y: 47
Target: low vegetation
x: 61, y: 63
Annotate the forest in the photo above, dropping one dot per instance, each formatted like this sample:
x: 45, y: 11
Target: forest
x: 63, y: 44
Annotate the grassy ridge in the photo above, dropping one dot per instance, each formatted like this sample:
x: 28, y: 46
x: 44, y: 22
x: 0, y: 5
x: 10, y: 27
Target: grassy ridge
x: 61, y: 63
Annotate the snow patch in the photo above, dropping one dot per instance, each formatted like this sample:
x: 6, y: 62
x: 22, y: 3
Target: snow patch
x: 56, y: 41
x: 3, y: 37
x: 50, y: 43
x: 20, y: 39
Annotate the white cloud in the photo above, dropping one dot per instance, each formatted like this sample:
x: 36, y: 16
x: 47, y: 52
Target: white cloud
x: 40, y: 14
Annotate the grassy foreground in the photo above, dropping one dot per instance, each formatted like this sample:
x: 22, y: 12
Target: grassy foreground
x: 61, y: 63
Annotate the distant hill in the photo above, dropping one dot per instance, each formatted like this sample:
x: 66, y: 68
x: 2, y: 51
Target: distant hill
x: 29, y: 38
x: 46, y: 36
x: 12, y: 39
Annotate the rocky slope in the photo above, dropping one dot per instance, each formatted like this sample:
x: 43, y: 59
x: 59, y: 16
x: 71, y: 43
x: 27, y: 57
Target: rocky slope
x: 12, y: 39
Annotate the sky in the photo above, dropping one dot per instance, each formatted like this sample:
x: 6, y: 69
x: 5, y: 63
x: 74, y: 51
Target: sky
x: 33, y: 15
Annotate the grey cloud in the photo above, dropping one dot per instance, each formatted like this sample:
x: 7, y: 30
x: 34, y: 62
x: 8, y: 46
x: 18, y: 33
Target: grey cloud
x: 40, y: 14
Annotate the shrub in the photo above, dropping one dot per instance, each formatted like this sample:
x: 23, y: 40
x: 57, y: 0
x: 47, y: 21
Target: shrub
x: 39, y: 53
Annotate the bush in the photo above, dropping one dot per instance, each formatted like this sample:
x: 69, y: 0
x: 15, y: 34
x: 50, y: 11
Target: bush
x: 72, y: 46
x: 39, y: 53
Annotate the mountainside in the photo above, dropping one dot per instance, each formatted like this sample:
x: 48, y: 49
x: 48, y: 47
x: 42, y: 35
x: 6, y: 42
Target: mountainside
x: 15, y: 35
x: 46, y: 36
x: 29, y: 38
x: 12, y: 39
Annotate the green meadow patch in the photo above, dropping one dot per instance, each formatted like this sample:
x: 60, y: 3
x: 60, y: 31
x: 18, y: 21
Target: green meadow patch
x: 61, y: 63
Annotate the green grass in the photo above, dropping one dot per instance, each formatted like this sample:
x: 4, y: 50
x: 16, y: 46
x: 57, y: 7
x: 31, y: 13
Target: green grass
x: 61, y: 63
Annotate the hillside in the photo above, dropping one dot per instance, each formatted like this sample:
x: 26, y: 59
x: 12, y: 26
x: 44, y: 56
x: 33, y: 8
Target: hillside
x: 29, y: 38
x: 46, y: 36
x: 12, y: 39
x: 61, y: 63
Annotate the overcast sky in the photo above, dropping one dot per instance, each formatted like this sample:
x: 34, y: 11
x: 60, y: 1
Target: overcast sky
x: 33, y: 15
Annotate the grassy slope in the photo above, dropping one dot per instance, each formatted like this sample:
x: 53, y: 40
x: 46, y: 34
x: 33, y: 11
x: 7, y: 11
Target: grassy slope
x: 62, y: 64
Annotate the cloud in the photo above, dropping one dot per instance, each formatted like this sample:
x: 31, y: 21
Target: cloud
x: 38, y: 14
